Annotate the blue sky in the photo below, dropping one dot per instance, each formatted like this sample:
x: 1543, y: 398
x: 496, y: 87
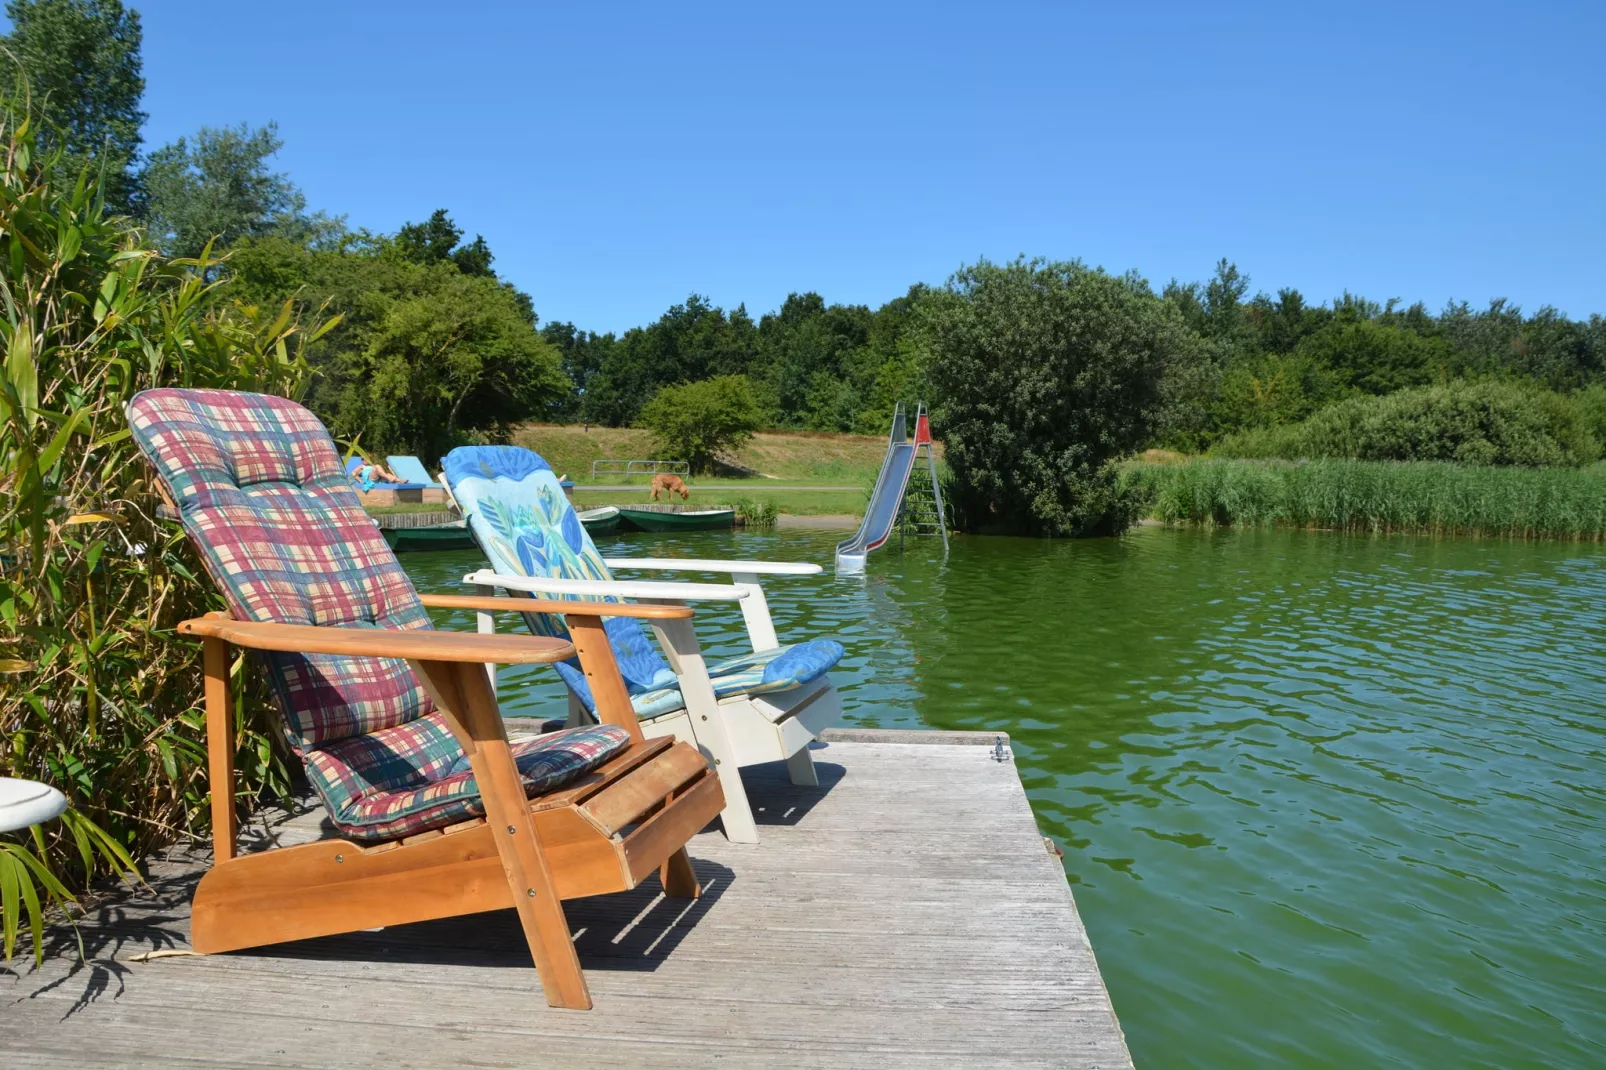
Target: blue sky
x: 618, y: 157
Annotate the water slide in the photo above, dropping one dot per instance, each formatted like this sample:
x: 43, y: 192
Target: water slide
x: 889, y: 488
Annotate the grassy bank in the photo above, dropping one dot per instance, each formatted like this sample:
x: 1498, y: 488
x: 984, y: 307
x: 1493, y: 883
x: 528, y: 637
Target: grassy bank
x: 793, y: 456
x: 1377, y: 496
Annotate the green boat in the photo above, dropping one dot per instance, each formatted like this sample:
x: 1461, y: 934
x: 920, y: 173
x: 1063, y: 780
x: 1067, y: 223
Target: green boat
x: 453, y: 536
x: 604, y: 521
x: 686, y: 520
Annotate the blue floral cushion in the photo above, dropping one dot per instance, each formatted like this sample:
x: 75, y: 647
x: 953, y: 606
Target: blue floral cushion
x: 526, y: 526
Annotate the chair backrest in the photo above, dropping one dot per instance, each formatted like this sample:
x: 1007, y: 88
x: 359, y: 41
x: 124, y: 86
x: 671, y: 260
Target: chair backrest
x: 410, y: 469
x: 525, y: 525
x: 262, y: 492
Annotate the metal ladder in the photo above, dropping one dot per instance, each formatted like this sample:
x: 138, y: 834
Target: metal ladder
x: 922, y: 509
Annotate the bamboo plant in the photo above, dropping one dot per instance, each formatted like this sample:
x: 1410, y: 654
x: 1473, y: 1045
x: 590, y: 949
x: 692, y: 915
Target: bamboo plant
x: 96, y: 695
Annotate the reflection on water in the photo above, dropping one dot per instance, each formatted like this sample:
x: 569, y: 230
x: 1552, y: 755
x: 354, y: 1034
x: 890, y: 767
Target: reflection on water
x: 1325, y: 800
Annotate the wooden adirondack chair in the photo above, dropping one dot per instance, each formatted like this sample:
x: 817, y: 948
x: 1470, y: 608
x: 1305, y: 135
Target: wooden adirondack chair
x: 765, y: 706
x: 438, y: 813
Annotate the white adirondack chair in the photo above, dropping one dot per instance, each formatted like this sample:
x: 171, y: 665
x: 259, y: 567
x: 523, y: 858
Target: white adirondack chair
x: 762, y: 707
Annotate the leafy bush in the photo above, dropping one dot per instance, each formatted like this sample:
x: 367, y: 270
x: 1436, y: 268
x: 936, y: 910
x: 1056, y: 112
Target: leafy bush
x: 1489, y: 422
x: 697, y: 422
x: 755, y: 513
x: 96, y: 697
x: 1046, y: 373
x: 1426, y: 496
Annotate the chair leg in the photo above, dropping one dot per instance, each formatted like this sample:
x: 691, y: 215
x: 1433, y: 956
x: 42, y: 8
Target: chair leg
x: 800, y: 767
x: 678, y: 878
x: 679, y: 644
x: 464, y: 691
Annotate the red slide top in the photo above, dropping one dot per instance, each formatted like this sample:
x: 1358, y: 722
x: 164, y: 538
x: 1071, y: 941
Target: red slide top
x: 923, y: 430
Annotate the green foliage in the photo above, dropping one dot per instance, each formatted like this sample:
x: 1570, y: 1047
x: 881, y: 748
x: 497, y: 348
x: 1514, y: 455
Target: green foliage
x: 1487, y: 422
x: 1268, y: 389
x: 698, y: 422
x: 690, y: 342
x: 81, y: 60
x: 425, y: 356
x: 581, y: 355
x: 1046, y: 373
x: 755, y: 512
x: 438, y: 240
x: 217, y: 188
x: 1423, y: 497
x: 98, y: 697
x: 1373, y: 357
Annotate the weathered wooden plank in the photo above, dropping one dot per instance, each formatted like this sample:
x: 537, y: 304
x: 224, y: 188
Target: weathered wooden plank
x: 903, y: 913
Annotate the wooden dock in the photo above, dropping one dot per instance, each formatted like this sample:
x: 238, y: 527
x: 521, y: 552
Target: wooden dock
x: 905, y: 913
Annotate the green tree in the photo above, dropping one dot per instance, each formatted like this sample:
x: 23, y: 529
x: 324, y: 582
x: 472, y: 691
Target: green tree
x: 805, y: 355
x: 218, y: 186
x: 698, y: 422
x: 453, y: 356
x: 81, y: 58
x: 438, y: 239
x: 690, y: 342
x: 424, y: 358
x: 1371, y: 356
x: 1046, y: 374
x: 581, y: 355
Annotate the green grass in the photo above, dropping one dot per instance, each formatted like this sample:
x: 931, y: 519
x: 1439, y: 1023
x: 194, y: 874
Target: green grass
x: 797, y: 457
x: 1379, y: 496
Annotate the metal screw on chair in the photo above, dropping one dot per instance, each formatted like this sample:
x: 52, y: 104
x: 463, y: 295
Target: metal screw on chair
x: 530, y: 892
x: 340, y: 858
x: 512, y: 830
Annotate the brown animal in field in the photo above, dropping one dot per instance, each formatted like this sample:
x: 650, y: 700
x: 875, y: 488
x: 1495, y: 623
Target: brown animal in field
x: 670, y: 486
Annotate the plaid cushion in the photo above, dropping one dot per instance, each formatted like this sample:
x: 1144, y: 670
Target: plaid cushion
x: 262, y: 493
x: 407, y: 779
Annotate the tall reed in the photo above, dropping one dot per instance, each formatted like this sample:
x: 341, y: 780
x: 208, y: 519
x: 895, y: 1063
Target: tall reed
x: 96, y: 695
x: 1379, y: 496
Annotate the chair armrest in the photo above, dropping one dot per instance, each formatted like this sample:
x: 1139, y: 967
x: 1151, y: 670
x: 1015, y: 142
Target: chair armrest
x: 544, y: 605
x: 674, y: 592
x: 414, y: 645
x: 754, y: 568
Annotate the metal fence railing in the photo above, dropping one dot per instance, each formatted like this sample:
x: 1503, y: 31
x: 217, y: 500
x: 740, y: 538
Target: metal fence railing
x: 640, y: 468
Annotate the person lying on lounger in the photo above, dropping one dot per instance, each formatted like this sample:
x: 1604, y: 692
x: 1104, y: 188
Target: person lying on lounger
x: 368, y: 475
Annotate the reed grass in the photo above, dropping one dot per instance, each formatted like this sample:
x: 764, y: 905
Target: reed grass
x: 1378, y: 496
x: 97, y: 696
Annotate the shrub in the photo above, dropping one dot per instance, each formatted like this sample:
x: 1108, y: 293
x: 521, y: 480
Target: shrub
x: 1488, y: 422
x: 697, y: 422
x: 96, y: 697
x: 755, y: 513
x: 1045, y: 374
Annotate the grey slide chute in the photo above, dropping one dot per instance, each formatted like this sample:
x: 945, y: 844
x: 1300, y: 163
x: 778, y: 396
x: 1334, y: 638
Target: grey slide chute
x: 886, y: 500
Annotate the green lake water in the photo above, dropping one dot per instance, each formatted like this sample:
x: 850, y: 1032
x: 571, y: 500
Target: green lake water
x: 1324, y: 800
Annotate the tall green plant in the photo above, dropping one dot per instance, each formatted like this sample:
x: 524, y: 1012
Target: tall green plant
x: 96, y: 695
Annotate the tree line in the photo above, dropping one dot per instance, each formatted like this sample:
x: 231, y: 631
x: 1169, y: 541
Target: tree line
x: 1040, y: 372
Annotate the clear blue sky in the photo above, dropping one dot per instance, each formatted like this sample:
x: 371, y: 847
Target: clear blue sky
x: 618, y: 157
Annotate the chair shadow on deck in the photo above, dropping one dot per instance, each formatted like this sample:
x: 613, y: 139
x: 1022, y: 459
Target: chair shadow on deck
x: 633, y: 930
x: 776, y: 800
x: 629, y: 931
